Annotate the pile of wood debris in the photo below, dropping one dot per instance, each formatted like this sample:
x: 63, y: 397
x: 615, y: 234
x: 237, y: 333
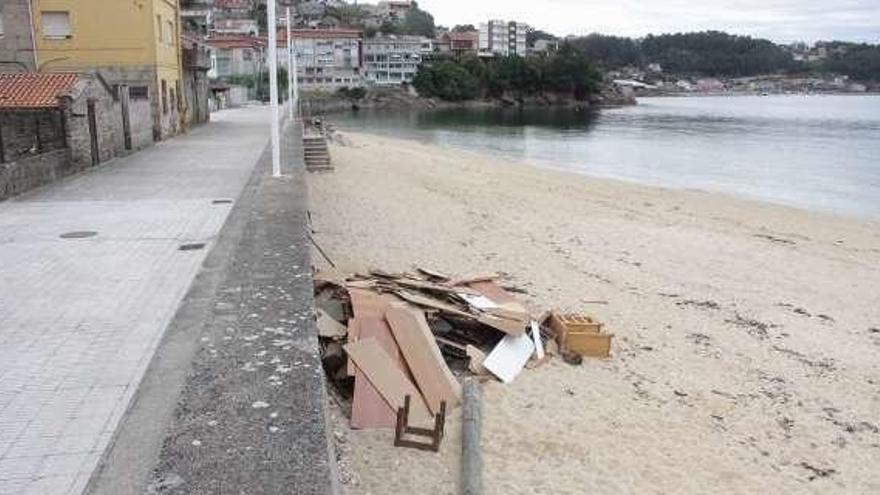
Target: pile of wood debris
x: 387, y: 336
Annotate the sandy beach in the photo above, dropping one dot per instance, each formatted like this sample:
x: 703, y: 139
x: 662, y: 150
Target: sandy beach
x: 746, y: 356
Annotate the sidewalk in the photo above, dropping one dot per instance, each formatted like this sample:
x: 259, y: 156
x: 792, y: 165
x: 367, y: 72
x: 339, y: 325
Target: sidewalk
x: 81, y: 317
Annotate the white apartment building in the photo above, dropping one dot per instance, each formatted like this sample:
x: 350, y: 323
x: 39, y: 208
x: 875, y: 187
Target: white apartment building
x: 392, y: 60
x: 503, y: 38
x: 326, y: 58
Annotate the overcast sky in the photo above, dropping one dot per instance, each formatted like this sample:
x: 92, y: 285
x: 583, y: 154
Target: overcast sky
x: 779, y: 20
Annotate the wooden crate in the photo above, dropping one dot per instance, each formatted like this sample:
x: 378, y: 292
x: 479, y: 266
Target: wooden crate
x: 590, y: 344
x: 581, y: 324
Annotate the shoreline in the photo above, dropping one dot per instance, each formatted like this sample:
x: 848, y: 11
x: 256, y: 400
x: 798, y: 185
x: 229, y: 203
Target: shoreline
x: 552, y: 167
x: 747, y: 335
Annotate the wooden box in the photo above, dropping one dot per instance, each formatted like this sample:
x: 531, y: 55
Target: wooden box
x: 590, y: 344
x: 580, y: 323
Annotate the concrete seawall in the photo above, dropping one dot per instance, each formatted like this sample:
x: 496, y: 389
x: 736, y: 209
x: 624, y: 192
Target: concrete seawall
x: 234, y: 399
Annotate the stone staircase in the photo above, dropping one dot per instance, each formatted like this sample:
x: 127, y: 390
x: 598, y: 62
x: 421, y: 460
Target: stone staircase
x: 316, y: 154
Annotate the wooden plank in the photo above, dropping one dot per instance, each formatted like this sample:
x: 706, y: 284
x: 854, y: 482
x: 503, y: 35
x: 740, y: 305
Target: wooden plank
x: 486, y: 277
x: 509, y: 357
x: 384, y: 374
x: 493, y: 291
x: 433, y: 273
x: 536, y: 338
x: 430, y: 302
x: 510, y: 327
x: 367, y: 304
x: 369, y: 409
x: 423, y: 357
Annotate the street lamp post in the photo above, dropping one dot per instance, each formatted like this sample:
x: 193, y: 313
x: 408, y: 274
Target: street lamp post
x: 273, y: 87
x: 290, y: 73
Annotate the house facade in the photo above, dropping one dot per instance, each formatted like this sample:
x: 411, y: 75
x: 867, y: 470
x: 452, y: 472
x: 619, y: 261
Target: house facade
x: 326, y: 58
x: 503, y: 39
x: 134, y: 44
x: 458, y: 43
x: 238, y: 55
x: 392, y: 60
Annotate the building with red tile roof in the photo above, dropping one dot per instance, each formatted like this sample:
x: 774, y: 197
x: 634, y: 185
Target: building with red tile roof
x: 35, y: 90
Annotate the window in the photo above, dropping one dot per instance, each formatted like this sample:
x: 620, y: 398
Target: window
x: 164, y: 96
x: 159, y: 27
x: 139, y: 93
x: 1, y: 24
x: 169, y: 32
x: 248, y: 54
x: 56, y: 25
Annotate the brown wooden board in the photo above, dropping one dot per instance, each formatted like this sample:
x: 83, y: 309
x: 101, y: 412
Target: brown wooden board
x: 421, y: 353
x: 385, y: 375
x: 366, y: 304
x: 493, y: 291
x: 430, y: 302
x: 369, y: 409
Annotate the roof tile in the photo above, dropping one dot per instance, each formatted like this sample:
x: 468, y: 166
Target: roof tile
x: 34, y: 90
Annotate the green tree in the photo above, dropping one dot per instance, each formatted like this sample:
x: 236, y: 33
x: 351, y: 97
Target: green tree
x: 349, y: 15
x: 859, y: 61
x: 464, y: 28
x: 570, y: 72
x: 610, y: 52
x: 446, y: 80
x: 713, y: 53
x: 418, y: 22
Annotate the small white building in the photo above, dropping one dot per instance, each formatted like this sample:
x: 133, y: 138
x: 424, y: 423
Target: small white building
x: 503, y: 38
x: 390, y: 60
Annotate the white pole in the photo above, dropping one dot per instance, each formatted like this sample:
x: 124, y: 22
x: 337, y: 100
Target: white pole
x: 273, y: 88
x: 289, y: 70
x: 295, y: 79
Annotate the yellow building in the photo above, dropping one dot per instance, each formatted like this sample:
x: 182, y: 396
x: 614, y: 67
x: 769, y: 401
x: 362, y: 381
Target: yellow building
x: 130, y: 42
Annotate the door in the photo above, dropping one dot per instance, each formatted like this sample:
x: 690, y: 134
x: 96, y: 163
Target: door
x: 93, y: 133
x: 125, y: 99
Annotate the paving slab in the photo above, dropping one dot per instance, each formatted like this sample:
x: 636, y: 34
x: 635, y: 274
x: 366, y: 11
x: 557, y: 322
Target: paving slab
x: 81, y: 317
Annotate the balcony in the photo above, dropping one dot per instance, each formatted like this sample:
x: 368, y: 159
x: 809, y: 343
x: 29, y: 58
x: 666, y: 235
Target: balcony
x: 198, y: 57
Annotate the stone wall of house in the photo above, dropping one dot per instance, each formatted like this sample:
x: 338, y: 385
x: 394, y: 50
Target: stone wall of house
x: 30, y: 172
x: 16, y: 44
x: 138, y: 78
x: 108, y: 113
x: 26, y: 133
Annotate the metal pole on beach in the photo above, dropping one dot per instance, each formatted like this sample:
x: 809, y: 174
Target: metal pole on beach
x: 272, y: 27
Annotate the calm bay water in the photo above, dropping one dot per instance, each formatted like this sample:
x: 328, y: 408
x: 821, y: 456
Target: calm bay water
x: 814, y: 152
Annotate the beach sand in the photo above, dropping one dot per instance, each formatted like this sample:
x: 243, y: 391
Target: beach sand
x: 747, y: 348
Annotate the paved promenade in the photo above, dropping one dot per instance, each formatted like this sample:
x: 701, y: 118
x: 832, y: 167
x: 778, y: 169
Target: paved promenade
x: 92, y: 271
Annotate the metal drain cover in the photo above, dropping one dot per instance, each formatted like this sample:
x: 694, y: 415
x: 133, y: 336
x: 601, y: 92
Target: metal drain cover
x: 192, y: 247
x: 80, y: 234
x: 222, y: 202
